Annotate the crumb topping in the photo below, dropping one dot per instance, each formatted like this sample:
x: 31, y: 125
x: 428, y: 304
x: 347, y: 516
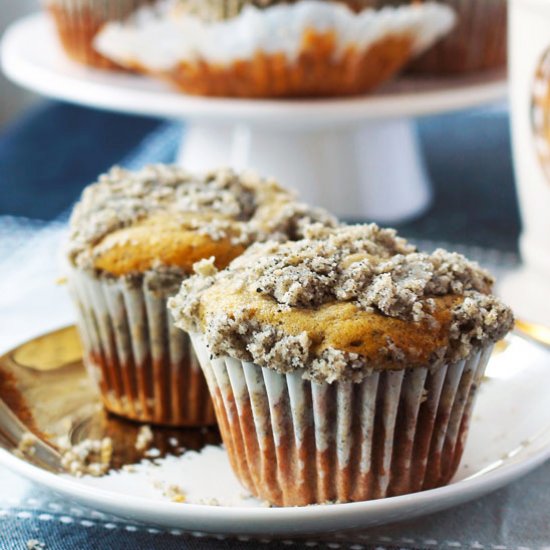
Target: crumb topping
x: 89, y: 457
x: 214, y: 10
x: 220, y: 204
x: 27, y: 445
x: 144, y: 438
x: 364, y: 271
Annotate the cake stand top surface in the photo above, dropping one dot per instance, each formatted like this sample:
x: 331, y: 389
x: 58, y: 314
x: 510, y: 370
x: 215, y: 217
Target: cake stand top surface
x: 32, y: 57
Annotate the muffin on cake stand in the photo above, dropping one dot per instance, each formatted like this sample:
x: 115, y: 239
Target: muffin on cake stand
x: 358, y: 156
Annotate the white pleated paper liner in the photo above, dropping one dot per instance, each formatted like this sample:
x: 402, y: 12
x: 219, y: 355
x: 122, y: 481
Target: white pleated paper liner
x: 295, y: 442
x: 144, y: 367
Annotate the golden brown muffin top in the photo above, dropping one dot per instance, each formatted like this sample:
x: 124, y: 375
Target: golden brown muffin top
x: 131, y: 222
x: 342, y: 302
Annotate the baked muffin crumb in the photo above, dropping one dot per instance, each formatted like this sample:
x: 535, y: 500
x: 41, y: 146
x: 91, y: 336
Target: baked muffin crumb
x: 144, y: 438
x: 27, y: 445
x: 89, y: 457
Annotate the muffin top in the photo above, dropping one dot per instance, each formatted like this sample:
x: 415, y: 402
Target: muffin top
x: 164, y: 216
x: 342, y: 302
x: 120, y: 7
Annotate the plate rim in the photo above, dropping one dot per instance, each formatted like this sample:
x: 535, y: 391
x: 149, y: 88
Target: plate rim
x: 296, y: 519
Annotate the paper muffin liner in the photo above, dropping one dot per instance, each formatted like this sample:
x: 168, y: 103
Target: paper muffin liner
x: 295, y: 442
x: 477, y: 43
x: 78, y: 22
x: 144, y: 367
x: 308, y: 48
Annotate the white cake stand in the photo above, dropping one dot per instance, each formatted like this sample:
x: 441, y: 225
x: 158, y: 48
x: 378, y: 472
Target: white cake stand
x: 357, y: 156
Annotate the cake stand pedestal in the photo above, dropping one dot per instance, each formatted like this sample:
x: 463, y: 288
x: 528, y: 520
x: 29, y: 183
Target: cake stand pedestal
x: 358, y: 156
x: 367, y: 171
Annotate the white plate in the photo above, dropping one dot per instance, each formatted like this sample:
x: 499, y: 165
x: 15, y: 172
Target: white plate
x: 32, y: 57
x: 510, y: 435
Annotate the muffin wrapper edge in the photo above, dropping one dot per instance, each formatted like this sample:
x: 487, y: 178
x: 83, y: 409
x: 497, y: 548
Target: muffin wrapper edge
x: 295, y: 442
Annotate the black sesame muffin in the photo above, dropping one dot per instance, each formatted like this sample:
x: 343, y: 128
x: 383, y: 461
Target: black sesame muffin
x: 343, y: 366
x: 134, y: 237
x: 259, y: 49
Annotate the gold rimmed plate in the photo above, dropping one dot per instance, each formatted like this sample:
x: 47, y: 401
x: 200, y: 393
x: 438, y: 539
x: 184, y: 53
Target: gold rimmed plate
x: 44, y: 390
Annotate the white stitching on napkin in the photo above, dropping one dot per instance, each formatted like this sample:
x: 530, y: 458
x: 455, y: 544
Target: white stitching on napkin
x: 87, y: 523
x: 66, y: 520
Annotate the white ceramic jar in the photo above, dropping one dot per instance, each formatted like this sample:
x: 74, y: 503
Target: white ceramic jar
x: 528, y: 290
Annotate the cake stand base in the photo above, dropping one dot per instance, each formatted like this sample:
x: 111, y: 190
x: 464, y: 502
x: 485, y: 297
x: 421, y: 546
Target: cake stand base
x: 373, y: 170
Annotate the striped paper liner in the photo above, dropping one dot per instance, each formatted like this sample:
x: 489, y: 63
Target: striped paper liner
x: 144, y: 367
x: 295, y: 442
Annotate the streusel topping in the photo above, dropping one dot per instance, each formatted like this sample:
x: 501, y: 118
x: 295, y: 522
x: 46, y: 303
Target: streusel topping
x: 341, y: 302
x: 216, y: 10
x: 161, y: 201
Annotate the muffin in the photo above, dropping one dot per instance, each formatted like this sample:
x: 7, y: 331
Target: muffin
x: 274, y: 49
x: 78, y: 21
x: 134, y: 237
x: 343, y: 366
x: 478, y: 42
